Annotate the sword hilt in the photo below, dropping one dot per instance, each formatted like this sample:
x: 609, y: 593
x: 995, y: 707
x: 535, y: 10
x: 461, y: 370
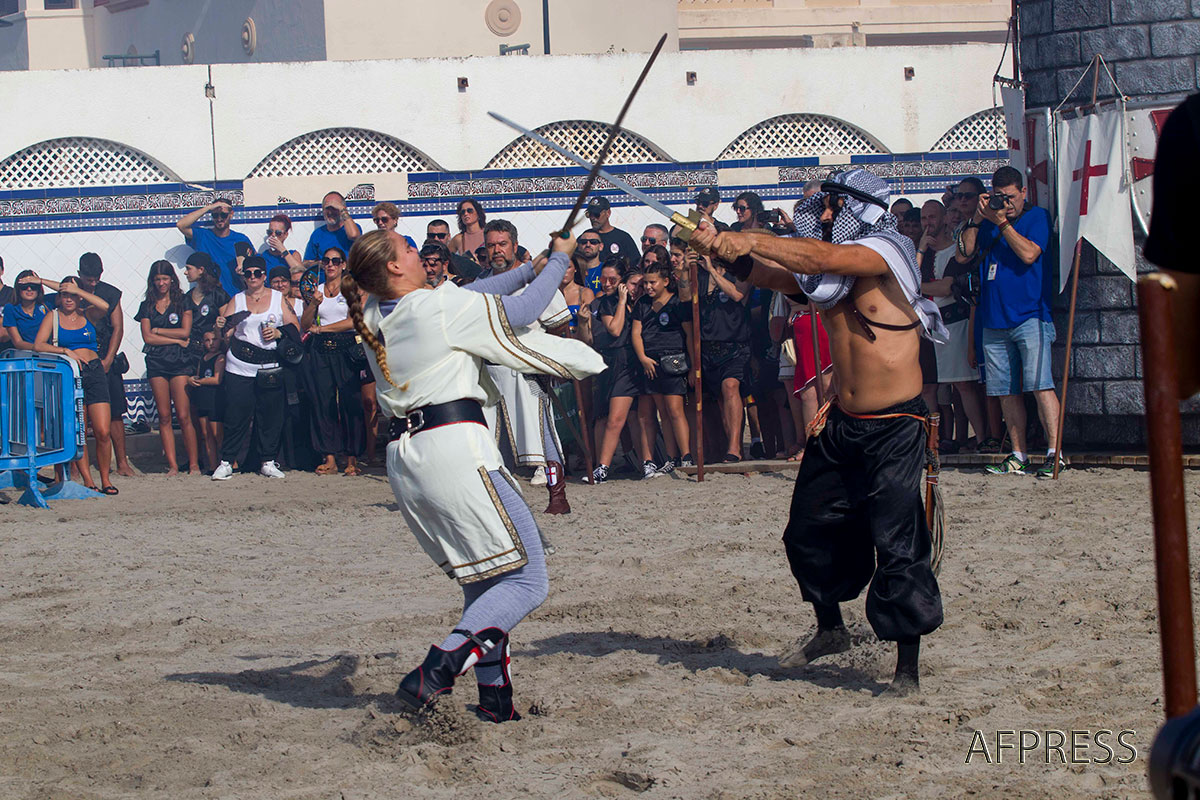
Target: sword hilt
x: 687, y: 225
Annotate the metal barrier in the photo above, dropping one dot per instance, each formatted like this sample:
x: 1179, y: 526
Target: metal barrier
x: 41, y: 424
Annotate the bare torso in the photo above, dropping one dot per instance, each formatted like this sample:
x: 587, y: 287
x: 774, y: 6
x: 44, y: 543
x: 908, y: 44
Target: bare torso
x: 872, y: 375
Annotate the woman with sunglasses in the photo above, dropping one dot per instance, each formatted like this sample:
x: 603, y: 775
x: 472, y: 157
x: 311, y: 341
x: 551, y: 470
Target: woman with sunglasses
x: 23, y: 316
x: 69, y: 331
x: 166, y: 328
x: 332, y: 366
x: 253, y: 380
x: 275, y: 251
x: 471, y: 219
x: 662, y: 330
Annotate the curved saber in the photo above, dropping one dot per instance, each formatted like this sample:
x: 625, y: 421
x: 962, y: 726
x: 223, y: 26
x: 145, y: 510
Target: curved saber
x: 686, y: 224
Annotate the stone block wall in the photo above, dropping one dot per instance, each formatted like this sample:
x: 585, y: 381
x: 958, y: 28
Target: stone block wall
x: 1153, y: 49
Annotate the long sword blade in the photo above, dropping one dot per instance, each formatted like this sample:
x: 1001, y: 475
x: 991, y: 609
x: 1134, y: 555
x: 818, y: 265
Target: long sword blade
x: 637, y: 194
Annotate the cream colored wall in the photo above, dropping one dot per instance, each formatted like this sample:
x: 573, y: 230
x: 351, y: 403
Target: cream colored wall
x: 612, y: 26
x: 720, y: 23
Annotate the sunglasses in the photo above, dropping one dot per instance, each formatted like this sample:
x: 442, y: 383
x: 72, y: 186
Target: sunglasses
x: 382, y: 219
x: 337, y: 262
x: 332, y: 210
x: 590, y: 241
x: 253, y: 273
x: 438, y: 235
x: 649, y: 239
x: 221, y: 215
x: 433, y: 260
x: 28, y: 287
x: 592, y: 212
x: 741, y: 208
x: 276, y: 234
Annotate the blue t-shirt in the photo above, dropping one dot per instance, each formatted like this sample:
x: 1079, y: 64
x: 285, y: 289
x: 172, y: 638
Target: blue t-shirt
x: 274, y: 260
x: 592, y: 279
x: 1013, y: 291
x: 26, y: 324
x: 322, y: 239
x: 221, y: 250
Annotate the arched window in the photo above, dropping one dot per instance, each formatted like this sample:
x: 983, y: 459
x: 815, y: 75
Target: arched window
x: 582, y: 137
x: 792, y: 135
x: 980, y: 131
x: 343, y: 151
x: 80, y: 161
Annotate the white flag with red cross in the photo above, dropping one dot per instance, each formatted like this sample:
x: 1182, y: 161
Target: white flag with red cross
x: 1014, y: 126
x: 1093, y: 191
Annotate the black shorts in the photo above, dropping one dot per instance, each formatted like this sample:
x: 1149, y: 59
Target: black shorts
x: 95, y: 382
x: 625, y: 376
x: 720, y: 361
x: 928, y: 359
x: 208, y: 402
x: 116, y: 394
x: 662, y: 383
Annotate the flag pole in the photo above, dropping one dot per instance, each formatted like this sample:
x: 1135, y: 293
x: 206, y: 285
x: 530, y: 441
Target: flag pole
x: 1062, y: 401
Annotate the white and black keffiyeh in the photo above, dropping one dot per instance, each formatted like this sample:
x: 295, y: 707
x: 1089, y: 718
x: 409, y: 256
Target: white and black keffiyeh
x: 869, y: 225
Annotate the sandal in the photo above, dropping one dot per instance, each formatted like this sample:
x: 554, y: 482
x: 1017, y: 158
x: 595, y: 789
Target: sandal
x: 989, y: 445
x: 110, y: 491
x: 327, y: 469
x: 730, y: 458
x: 796, y: 457
x: 353, y: 470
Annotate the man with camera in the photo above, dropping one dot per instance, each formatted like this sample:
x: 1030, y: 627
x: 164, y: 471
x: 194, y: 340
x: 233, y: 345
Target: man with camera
x: 1014, y: 306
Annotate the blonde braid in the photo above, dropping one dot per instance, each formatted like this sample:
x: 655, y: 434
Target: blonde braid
x: 354, y: 301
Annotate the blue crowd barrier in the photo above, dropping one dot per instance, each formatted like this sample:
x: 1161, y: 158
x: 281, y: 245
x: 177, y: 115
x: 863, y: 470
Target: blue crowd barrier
x: 41, y: 424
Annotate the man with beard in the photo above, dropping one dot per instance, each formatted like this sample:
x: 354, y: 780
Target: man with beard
x: 857, y: 516
x: 524, y: 409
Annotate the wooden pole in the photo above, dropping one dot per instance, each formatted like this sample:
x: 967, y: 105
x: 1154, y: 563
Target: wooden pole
x: 694, y: 277
x: 586, y: 431
x: 816, y: 346
x: 1160, y: 377
x: 1062, y: 401
x: 931, y: 476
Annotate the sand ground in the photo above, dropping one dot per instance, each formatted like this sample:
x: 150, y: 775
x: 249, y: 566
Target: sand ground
x: 199, y: 640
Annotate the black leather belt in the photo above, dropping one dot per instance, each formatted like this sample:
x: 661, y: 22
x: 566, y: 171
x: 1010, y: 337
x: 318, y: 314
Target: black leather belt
x: 252, y: 354
x: 335, y: 341
x: 434, y: 416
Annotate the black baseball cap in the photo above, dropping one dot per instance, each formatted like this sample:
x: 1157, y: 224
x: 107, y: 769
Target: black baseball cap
x: 90, y: 265
x: 278, y: 272
x: 256, y: 262
x: 707, y: 196
x: 200, y: 259
x: 598, y: 204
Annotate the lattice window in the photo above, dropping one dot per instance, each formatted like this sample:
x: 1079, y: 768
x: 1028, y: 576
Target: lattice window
x: 794, y: 135
x: 582, y: 137
x: 981, y: 131
x: 342, y: 151
x: 78, y: 161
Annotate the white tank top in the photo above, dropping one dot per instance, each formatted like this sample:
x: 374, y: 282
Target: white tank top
x: 332, y: 309
x: 249, y: 330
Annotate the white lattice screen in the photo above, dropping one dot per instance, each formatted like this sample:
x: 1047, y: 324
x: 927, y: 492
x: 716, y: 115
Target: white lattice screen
x: 582, y: 137
x: 793, y: 135
x: 981, y: 131
x: 342, y: 151
x: 78, y: 161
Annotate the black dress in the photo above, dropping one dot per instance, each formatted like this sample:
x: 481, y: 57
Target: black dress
x: 165, y: 360
x: 662, y: 335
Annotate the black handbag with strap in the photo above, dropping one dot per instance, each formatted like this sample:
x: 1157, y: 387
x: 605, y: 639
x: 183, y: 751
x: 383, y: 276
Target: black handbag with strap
x: 673, y: 364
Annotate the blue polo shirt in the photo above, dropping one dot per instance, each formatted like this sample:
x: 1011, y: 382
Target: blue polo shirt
x: 1013, y: 291
x: 26, y: 324
x: 221, y: 250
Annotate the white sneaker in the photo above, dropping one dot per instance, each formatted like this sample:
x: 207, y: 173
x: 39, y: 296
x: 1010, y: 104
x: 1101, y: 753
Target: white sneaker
x: 539, y: 477
x: 271, y: 470
x: 223, y: 472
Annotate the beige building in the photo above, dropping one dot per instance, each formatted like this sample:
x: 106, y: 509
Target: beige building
x: 80, y: 34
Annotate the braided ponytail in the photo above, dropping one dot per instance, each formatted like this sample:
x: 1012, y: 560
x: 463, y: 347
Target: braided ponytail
x: 367, y: 263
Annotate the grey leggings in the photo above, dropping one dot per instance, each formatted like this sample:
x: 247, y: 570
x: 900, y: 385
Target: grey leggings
x: 503, y: 601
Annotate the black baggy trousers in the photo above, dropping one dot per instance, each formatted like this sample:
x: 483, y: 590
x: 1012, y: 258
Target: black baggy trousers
x: 857, y: 518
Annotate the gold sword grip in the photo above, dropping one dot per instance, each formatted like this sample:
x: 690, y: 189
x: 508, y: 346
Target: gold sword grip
x: 687, y: 225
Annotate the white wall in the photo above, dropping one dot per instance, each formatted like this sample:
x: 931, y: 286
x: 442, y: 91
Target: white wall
x: 164, y: 112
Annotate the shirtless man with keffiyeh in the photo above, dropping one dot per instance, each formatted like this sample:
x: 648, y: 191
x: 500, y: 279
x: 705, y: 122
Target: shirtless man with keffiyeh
x: 857, y: 516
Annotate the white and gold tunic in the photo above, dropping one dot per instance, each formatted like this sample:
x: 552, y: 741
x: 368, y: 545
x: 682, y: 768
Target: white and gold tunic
x: 436, y: 342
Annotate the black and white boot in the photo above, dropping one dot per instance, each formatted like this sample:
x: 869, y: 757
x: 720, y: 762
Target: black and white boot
x: 495, y: 702
x: 438, y: 671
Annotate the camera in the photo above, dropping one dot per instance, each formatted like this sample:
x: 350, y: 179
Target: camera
x: 773, y: 221
x: 966, y: 287
x: 997, y: 201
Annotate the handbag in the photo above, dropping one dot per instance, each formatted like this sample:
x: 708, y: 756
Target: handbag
x: 269, y: 379
x: 120, y: 364
x: 673, y: 364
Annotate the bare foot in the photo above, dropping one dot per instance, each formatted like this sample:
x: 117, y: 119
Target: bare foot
x: 194, y: 471
x: 823, y: 643
x: 125, y: 470
x: 172, y: 472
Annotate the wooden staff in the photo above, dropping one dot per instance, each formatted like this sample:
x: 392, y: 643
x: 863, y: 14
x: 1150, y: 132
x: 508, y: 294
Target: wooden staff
x: 586, y: 431
x: 694, y: 277
x: 1160, y: 378
x: 934, y: 516
x: 816, y: 346
x: 1062, y: 401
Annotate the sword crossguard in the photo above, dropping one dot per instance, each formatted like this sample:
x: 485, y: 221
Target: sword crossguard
x: 687, y: 225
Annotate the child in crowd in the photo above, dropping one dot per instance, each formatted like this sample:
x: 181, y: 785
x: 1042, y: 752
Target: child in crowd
x: 207, y: 398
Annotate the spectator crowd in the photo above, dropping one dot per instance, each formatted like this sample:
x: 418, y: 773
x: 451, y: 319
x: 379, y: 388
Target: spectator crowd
x: 258, y: 363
